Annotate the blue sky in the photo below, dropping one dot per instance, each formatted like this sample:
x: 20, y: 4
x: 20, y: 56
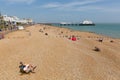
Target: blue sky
x: 99, y: 11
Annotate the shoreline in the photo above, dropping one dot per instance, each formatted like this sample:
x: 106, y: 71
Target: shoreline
x: 102, y: 35
x: 96, y: 36
x: 99, y: 34
x: 115, y: 37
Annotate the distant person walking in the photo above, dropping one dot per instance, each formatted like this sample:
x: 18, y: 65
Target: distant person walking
x: 29, y: 33
x: 1, y: 36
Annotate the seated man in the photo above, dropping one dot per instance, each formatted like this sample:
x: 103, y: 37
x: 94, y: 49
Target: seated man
x: 26, y: 68
x: 96, y: 49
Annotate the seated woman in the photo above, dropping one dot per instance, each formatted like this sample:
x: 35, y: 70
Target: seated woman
x: 96, y: 49
x: 73, y: 38
x: 26, y: 68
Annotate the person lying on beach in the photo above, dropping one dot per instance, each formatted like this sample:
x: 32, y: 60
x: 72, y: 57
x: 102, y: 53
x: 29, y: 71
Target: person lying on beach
x: 26, y: 68
x: 100, y: 40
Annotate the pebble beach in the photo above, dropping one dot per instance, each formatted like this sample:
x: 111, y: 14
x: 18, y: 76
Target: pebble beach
x: 57, y: 57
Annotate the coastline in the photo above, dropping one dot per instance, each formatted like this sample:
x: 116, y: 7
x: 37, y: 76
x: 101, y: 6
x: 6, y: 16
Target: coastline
x: 109, y: 30
x: 99, y: 34
x: 57, y: 57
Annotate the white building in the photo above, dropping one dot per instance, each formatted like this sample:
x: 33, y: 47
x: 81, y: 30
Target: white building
x: 87, y: 22
x: 16, y: 19
x: 7, y: 18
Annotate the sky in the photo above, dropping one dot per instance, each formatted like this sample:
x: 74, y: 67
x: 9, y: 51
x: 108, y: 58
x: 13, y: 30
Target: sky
x: 99, y: 11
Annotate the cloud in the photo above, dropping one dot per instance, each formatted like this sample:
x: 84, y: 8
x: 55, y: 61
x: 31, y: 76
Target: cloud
x: 70, y: 4
x: 84, y: 5
x: 52, y: 5
x: 86, y: 2
x: 20, y: 1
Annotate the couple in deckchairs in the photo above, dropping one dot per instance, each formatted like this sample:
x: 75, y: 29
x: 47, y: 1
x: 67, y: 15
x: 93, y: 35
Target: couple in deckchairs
x: 26, y: 68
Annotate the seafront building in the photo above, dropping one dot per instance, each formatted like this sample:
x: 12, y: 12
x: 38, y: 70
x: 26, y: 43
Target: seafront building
x: 13, y: 22
x: 15, y: 19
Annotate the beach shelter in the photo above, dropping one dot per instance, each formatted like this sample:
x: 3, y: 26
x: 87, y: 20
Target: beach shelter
x: 20, y: 27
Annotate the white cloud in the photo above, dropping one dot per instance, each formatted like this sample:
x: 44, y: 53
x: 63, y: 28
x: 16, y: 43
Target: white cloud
x: 86, y: 2
x: 84, y: 5
x: 52, y: 5
x: 20, y: 1
x: 70, y: 4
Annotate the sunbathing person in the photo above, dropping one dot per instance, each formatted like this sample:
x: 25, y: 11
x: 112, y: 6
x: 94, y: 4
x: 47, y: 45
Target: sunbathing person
x: 26, y: 68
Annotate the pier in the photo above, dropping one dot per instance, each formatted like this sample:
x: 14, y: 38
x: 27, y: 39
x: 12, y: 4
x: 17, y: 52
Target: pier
x: 68, y: 24
x: 76, y: 24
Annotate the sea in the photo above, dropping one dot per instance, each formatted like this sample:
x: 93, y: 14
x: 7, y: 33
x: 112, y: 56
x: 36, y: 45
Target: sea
x: 106, y: 29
